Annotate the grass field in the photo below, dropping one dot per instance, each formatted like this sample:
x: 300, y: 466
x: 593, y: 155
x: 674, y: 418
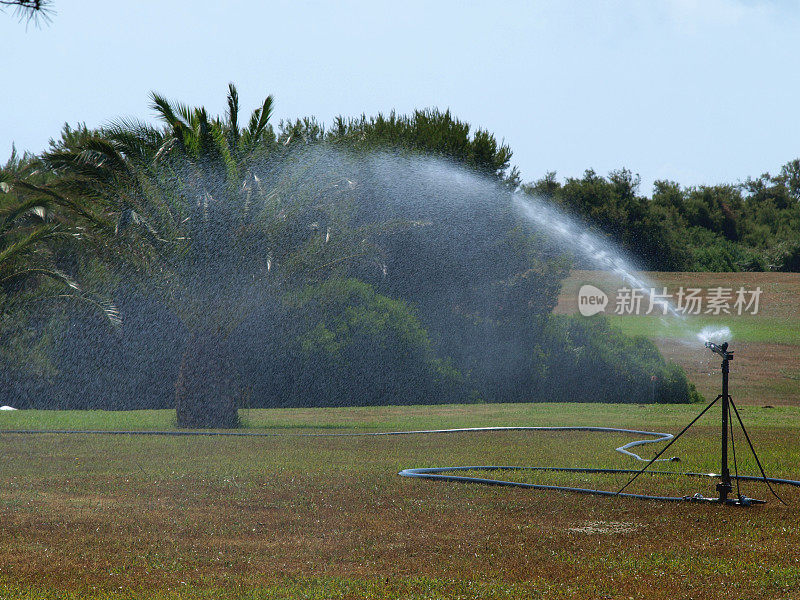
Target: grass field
x: 327, y: 517
x: 299, y: 516
x: 767, y: 344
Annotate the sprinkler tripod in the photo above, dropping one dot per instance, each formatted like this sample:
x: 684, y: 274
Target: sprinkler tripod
x: 724, y: 487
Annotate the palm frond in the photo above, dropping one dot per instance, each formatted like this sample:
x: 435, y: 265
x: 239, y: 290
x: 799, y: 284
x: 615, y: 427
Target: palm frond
x: 30, y: 11
x: 108, y: 308
x: 166, y: 111
x: 233, y: 115
x: 88, y: 166
x: 130, y: 217
x: 104, y: 153
x: 178, y: 118
x: 258, y: 123
x: 25, y: 244
x: 224, y: 150
x: 34, y: 207
x: 134, y: 138
x: 76, y: 207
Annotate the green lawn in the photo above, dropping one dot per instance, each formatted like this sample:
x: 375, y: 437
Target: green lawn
x: 287, y: 516
x: 328, y: 517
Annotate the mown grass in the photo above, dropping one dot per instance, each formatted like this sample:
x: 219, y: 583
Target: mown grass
x: 288, y: 516
x: 88, y: 419
x: 328, y: 517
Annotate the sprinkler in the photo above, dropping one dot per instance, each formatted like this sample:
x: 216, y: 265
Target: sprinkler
x: 721, y: 349
x: 724, y: 487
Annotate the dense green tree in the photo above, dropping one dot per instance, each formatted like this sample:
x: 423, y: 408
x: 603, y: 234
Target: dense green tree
x: 587, y: 359
x: 433, y: 132
x: 352, y: 345
x: 751, y: 226
x: 613, y: 207
x: 218, y: 216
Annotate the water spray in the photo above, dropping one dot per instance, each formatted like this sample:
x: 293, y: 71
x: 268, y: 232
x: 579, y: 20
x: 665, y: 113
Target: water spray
x: 595, y: 249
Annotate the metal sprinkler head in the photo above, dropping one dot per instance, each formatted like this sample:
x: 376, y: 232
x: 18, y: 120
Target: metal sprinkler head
x: 721, y: 349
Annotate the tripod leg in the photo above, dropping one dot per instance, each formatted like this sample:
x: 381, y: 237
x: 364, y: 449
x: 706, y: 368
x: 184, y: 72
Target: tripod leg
x: 753, y: 450
x: 672, y: 441
x: 733, y: 447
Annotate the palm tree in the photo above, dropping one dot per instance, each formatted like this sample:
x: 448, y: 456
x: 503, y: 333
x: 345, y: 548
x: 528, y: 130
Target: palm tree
x: 35, y: 227
x: 39, y: 240
x: 219, y: 217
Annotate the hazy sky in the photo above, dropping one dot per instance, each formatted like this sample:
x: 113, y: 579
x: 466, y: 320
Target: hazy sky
x: 698, y: 91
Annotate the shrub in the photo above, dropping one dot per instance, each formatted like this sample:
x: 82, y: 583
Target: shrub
x: 589, y: 360
x: 349, y: 345
x: 712, y: 252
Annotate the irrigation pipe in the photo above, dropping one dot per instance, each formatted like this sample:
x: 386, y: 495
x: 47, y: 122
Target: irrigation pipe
x: 450, y: 473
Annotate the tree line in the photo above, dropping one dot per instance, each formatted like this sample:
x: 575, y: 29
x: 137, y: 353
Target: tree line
x: 751, y: 226
x: 209, y: 264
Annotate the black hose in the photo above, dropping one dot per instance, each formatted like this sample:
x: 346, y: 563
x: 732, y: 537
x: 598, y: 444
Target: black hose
x: 436, y: 473
x: 442, y: 473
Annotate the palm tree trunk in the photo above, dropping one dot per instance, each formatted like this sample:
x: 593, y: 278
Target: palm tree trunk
x: 203, y: 393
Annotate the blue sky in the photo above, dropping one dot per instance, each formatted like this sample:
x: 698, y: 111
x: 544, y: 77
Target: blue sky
x: 697, y: 91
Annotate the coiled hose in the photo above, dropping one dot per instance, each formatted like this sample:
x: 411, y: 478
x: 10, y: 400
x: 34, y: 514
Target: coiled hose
x: 446, y: 473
